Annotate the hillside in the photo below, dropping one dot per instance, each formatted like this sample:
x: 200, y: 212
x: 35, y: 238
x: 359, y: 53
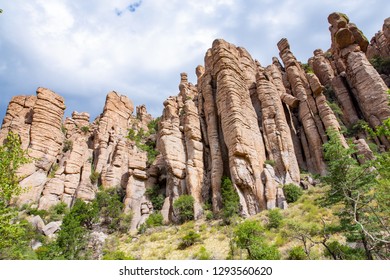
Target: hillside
x: 223, y: 153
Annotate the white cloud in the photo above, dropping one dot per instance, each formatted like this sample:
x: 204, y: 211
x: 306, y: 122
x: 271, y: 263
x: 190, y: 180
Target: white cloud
x: 83, y: 48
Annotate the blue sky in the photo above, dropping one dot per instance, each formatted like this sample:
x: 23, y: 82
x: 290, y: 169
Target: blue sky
x: 84, y: 49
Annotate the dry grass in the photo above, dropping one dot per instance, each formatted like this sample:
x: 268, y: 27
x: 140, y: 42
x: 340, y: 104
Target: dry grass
x: 162, y: 243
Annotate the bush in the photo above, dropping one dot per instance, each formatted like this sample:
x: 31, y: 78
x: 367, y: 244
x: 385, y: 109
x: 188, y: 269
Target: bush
x: 153, y: 125
x: 116, y: 255
x: 68, y: 145
x: 382, y: 65
x: 15, y: 235
x: 124, y: 224
x: 270, y: 162
x: 53, y: 170
x: 292, y: 192
x: 154, y: 220
x: 57, y: 211
x: 297, y: 253
x: 230, y: 200
x: 184, y: 208
x: 274, y: 218
x: 263, y: 251
x: 85, y: 129
x: 189, y: 239
x: 202, y: 254
x: 94, y: 177
x: 155, y: 197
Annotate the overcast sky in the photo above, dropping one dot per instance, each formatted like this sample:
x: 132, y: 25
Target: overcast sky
x: 84, y: 49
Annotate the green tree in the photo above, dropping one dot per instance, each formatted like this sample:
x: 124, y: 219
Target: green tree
x: 249, y: 235
x: 72, y: 239
x: 358, y: 189
x: 14, y: 232
x: 14, y: 235
x: 109, y: 204
x: 184, y: 208
x: 230, y: 200
x: 12, y: 156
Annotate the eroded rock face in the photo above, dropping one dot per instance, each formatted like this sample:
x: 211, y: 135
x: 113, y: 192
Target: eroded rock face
x: 380, y: 43
x: 359, y: 88
x: 73, y: 157
x: 228, y: 125
x: 256, y: 125
x: 314, y: 114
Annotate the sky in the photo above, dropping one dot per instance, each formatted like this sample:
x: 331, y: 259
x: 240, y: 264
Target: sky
x: 84, y: 49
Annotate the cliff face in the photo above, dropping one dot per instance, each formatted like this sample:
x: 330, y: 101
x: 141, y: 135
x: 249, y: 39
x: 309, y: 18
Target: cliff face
x: 257, y: 125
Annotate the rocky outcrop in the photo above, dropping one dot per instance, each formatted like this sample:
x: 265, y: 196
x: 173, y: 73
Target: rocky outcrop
x: 258, y: 126
x: 71, y: 158
x: 314, y: 114
x: 357, y: 85
x: 37, y: 120
x: 380, y: 44
x: 229, y: 125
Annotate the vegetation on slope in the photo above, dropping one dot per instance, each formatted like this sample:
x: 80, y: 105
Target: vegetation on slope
x: 344, y: 217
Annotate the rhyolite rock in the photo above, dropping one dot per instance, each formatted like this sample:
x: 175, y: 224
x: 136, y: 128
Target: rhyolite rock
x: 256, y: 125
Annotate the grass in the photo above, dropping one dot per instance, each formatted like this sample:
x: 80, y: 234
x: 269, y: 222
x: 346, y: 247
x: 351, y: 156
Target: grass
x: 163, y: 242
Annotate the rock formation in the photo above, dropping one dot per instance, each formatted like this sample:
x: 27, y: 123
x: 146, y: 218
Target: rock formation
x: 380, y: 43
x: 258, y: 126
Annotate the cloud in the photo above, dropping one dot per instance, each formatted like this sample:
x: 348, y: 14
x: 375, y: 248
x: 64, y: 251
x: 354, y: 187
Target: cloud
x: 84, y: 49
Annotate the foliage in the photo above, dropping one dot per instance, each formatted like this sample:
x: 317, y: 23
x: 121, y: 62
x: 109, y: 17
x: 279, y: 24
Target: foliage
x: 12, y: 156
x: 292, y: 192
x: 274, y: 218
x: 270, y: 162
x: 263, y: 251
x: 94, y: 177
x: 85, y: 129
x: 203, y: 254
x: 53, y: 170
x: 189, y: 239
x: 297, y: 253
x: 306, y: 67
x: 184, y: 208
x: 153, y: 125
x: 155, y: 197
x: 140, y: 139
x: 116, y: 255
x: 109, y: 204
x: 382, y: 65
x: 344, y: 252
x: 72, y: 239
x: 358, y: 190
x: 56, y: 212
x: 154, y: 220
x: 230, y: 200
x: 68, y: 145
x: 15, y: 235
x: 329, y: 94
x: 249, y: 235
